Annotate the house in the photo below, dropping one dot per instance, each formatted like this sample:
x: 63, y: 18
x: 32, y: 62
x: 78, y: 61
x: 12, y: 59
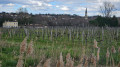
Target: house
x: 8, y: 24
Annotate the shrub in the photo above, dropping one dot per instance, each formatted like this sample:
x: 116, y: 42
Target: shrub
x: 105, y: 21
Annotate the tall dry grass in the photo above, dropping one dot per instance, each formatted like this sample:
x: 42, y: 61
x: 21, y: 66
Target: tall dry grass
x: 30, y: 48
x: 81, y: 61
x: 119, y: 50
x: 39, y: 65
x: 0, y: 63
x: 69, y: 61
x: 119, y: 64
x: 94, y: 61
x: 86, y: 62
x: 23, y: 46
x: 61, y: 60
x: 79, y: 65
x: 24, y: 52
x: 113, y: 50
x: 20, y: 61
x: 47, y: 63
x: 58, y: 63
x: 107, y: 56
x: 98, y: 54
x: 95, y: 44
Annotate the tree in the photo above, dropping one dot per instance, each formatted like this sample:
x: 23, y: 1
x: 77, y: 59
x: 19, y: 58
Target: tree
x: 4, y: 18
x: 105, y: 21
x: 22, y: 10
x: 23, y: 13
x: 23, y: 16
x: 106, y: 9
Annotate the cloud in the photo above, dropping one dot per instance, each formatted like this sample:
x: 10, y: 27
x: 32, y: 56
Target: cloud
x: 117, y: 13
x: 29, y: 3
x: 57, y: 6
x: 80, y: 9
x: 7, y: 7
x: 49, y: 5
x: 64, y: 8
x: 25, y: 6
x: 10, y: 4
x: 37, y: 5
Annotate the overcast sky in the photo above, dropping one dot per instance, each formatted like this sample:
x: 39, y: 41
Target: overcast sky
x: 57, y: 6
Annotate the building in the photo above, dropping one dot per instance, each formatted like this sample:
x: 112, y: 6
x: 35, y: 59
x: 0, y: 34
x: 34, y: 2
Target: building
x: 86, y: 17
x: 8, y: 24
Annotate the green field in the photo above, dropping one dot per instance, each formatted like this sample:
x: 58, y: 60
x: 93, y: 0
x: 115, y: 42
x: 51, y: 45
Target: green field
x: 50, y: 42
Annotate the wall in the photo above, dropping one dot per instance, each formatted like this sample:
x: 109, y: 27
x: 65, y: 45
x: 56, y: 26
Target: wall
x: 10, y: 24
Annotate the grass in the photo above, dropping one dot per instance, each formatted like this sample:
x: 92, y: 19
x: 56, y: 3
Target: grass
x: 47, y: 47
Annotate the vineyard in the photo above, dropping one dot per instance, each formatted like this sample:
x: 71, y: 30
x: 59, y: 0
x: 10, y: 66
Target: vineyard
x: 60, y: 47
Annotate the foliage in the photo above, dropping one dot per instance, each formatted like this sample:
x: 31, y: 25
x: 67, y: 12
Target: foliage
x: 105, y: 21
x: 23, y: 21
x: 5, y: 18
x: 24, y: 17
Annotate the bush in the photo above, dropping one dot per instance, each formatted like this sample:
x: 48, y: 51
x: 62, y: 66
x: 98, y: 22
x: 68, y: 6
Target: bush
x: 105, y: 21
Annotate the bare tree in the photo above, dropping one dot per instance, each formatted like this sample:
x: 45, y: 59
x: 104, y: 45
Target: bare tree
x: 107, y: 8
x: 23, y: 16
x: 22, y: 10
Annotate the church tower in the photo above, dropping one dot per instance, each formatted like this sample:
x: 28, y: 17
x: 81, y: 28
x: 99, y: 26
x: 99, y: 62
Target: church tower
x: 86, y: 17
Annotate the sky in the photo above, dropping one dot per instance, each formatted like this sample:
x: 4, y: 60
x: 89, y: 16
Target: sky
x: 58, y: 6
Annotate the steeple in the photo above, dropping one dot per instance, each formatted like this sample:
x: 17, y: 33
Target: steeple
x: 86, y: 17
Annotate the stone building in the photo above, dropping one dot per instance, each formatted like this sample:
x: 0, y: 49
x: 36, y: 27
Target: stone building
x: 8, y: 24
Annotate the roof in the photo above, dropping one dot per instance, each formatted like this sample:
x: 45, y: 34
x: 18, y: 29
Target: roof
x: 11, y: 21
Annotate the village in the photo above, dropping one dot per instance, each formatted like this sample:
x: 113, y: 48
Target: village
x: 50, y: 20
